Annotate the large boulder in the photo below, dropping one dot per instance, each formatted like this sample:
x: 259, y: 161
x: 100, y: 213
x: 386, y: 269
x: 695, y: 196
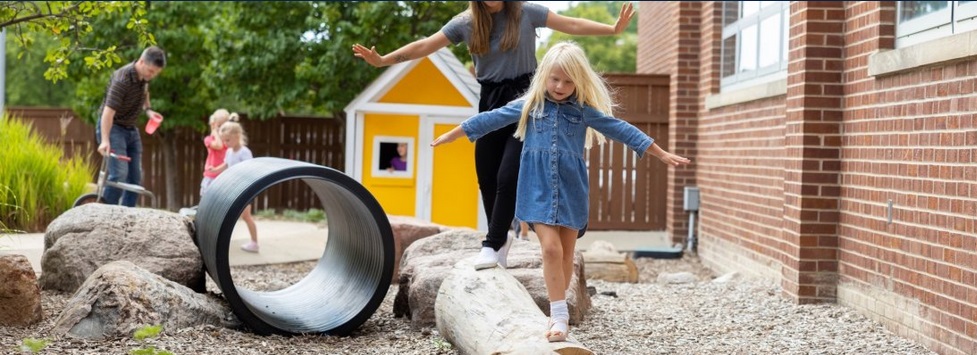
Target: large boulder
x: 87, y: 237
x: 428, y: 261
x: 120, y: 298
x: 408, y: 230
x: 20, y: 297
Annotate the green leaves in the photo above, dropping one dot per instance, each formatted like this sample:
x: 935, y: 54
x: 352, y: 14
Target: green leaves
x: 609, y: 54
x: 260, y: 58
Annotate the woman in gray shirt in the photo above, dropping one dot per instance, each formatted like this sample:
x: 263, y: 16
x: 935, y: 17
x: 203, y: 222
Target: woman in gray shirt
x: 501, y: 39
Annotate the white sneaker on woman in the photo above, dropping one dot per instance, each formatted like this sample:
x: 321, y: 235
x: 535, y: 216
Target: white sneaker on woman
x: 487, y: 258
x: 504, y: 252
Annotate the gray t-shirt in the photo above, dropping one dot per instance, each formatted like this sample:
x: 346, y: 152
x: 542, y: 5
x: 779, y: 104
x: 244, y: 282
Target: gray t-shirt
x: 496, y: 65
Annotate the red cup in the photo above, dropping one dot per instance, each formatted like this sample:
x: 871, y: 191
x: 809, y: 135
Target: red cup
x: 154, y: 121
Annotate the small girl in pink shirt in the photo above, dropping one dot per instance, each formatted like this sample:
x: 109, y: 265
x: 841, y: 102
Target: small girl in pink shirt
x: 216, y: 150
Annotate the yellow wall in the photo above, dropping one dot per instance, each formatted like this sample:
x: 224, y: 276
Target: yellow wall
x: 396, y: 195
x: 425, y: 85
x: 454, y: 195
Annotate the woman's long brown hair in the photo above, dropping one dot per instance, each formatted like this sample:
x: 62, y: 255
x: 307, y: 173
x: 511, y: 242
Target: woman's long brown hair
x: 482, y: 26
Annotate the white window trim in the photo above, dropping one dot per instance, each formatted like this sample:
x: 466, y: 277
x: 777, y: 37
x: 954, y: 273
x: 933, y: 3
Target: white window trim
x: 966, y: 19
x: 939, y: 24
x: 757, y: 76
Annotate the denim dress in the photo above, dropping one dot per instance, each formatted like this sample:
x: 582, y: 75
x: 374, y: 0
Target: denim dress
x: 553, y: 185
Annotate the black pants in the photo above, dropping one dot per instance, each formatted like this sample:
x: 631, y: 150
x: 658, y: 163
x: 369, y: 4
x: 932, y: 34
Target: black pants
x: 497, y: 160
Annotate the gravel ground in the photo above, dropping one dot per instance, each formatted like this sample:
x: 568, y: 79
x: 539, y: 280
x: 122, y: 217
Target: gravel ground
x: 738, y: 317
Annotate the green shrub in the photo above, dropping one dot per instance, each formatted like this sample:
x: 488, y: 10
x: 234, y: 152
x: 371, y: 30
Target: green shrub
x: 37, y: 183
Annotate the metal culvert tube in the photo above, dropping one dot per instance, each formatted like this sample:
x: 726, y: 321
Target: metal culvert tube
x: 351, y: 278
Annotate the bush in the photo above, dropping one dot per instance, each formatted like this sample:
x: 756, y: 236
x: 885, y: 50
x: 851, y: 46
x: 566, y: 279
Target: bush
x: 37, y: 183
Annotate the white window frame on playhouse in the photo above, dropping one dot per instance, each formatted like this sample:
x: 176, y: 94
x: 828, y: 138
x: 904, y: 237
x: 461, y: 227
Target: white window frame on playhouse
x: 375, y: 160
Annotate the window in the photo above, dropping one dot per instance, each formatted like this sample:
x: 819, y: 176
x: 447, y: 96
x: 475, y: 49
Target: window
x: 920, y: 21
x: 754, y: 45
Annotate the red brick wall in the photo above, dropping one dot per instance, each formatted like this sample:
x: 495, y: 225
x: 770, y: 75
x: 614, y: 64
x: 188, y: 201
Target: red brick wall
x: 813, y: 138
x: 910, y: 138
x: 739, y: 170
x: 657, y: 52
x: 796, y: 187
x: 679, y: 59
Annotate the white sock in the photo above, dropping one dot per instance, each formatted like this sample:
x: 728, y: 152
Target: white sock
x: 560, y: 311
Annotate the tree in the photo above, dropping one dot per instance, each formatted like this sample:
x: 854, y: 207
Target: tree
x: 69, y: 23
x: 609, y: 54
x: 25, y: 84
x: 262, y: 59
x: 306, y: 64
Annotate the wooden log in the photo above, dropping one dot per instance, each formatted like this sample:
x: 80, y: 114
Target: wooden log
x: 490, y: 312
x: 604, y: 262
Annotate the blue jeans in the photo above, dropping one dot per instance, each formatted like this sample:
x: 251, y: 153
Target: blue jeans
x: 123, y: 141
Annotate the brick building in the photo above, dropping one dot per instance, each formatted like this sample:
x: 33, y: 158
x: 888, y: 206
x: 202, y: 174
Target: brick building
x: 835, y: 148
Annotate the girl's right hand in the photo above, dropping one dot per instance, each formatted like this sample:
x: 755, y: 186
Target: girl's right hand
x: 444, y: 138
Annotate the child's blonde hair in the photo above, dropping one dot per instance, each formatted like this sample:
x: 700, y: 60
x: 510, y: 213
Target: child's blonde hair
x: 219, y: 115
x: 233, y: 127
x: 591, y: 90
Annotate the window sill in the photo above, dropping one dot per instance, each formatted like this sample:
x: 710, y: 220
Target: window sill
x: 955, y: 47
x: 747, y: 94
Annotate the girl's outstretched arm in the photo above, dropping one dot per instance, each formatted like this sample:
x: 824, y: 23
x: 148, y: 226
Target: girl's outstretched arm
x: 418, y: 49
x: 449, y: 137
x: 579, y: 26
x: 666, y: 157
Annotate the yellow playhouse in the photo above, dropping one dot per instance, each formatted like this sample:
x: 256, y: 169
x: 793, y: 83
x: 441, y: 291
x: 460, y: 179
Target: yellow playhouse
x: 389, y: 129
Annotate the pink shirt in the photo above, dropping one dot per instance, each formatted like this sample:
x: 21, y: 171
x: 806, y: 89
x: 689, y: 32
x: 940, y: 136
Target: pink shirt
x: 215, y: 157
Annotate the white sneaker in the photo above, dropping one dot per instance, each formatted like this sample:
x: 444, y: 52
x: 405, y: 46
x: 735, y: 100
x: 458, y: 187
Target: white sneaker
x: 504, y: 252
x: 250, y: 247
x: 487, y: 258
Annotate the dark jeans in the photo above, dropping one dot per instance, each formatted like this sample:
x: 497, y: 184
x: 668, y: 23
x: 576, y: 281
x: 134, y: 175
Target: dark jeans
x: 497, y: 160
x: 123, y: 141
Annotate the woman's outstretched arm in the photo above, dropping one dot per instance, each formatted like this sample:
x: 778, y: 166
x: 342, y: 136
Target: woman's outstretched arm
x: 418, y: 49
x: 579, y: 26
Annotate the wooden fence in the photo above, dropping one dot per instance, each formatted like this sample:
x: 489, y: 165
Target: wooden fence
x: 312, y: 139
x: 625, y: 193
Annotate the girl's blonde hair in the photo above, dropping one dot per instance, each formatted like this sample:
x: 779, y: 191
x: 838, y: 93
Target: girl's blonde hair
x: 482, y: 26
x: 219, y: 114
x: 233, y: 127
x: 591, y: 89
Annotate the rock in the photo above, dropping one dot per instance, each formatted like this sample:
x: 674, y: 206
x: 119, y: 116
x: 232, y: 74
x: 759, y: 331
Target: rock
x: 87, y: 237
x: 677, y: 278
x: 427, y: 262
x: 604, y: 262
x: 408, y: 230
x: 121, y: 297
x: 20, y: 296
x: 726, y: 278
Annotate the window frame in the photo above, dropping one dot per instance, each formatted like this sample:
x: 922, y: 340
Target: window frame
x: 758, y: 75
x: 955, y: 18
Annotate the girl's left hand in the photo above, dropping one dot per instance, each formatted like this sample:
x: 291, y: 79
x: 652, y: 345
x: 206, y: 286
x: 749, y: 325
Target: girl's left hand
x: 624, y: 19
x: 674, y: 160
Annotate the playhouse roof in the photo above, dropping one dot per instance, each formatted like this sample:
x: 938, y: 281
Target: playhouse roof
x: 449, y: 65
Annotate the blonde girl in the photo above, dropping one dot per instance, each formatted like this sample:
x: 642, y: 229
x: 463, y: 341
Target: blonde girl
x: 237, y: 151
x: 215, y: 147
x: 566, y: 108
x: 501, y: 37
